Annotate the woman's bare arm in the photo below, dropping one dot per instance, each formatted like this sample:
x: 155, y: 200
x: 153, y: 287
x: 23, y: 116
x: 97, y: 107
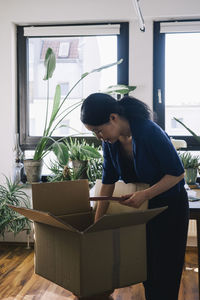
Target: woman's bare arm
x: 102, y: 206
x: 136, y: 199
x: 167, y: 182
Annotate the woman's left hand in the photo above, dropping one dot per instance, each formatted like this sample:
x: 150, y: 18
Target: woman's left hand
x: 134, y: 200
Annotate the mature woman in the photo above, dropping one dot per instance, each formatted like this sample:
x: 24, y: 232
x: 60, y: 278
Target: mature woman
x: 137, y: 150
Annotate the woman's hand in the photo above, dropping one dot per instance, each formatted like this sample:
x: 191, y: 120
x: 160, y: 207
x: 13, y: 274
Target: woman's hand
x: 135, y: 200
x: 106, y: 190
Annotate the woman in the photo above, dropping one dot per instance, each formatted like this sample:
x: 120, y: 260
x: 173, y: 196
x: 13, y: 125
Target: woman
x: 137, y: 150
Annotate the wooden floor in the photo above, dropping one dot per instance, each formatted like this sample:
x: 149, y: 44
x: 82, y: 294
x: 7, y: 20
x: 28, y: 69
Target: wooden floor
x: 18, y: 281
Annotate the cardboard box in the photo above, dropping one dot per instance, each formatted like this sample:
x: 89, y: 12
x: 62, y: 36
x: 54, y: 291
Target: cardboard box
x: 85, y: 258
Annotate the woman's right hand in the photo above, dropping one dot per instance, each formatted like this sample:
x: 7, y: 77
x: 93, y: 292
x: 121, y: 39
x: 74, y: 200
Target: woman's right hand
x: 102, y: 206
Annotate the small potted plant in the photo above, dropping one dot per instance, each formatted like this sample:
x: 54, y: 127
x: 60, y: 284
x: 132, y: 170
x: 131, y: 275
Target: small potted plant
x: 80, y: 154
x: 76, y: 160
x: 191, y: 165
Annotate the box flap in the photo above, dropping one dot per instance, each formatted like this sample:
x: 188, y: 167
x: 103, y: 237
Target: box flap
x: 61, y: 198
x: 125, y: 219
x: 42, y: 217
x: 80, y: 221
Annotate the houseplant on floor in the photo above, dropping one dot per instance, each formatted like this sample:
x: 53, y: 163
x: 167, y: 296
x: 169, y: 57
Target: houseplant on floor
x: 12, y: 194
x: 58, y: 114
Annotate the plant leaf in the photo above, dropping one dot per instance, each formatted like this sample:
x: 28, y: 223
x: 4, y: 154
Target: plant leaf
x: 90, y: 152
x: 56, y: 104
x: 85, y: 74
x: 102, y: 68
x: 49, y: 63
x: 192, y: 132
x: 42, y: 148
x: 119, y: 89
x: 61, y: 152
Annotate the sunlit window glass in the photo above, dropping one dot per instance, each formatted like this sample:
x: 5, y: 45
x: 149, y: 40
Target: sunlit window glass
x: 74, y: 56
x: 182, y: 76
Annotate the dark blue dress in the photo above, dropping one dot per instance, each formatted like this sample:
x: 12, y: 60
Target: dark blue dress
x: 153, y: 157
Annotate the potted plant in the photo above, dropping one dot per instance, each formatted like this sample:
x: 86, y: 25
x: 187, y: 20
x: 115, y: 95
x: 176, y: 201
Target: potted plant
x: 80, y: 153
x: 12, y: 194
x: 53, y: 119
x: 197, y: 138
x: 76, y: 160
x: 191, y: 164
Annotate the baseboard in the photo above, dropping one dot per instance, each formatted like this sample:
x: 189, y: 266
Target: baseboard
x: 20, y: 244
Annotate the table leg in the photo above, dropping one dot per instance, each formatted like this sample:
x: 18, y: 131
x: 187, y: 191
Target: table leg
x: 198, y: 247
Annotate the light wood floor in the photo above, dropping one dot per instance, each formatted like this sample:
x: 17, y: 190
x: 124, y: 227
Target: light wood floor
x: 18, y: 281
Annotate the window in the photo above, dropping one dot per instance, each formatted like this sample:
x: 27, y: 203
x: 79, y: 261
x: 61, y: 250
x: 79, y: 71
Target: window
x: 64, y: 49
x: 175, y: 124
x: 78, y: 49
x: 64, y: 87
x: 176, y: 78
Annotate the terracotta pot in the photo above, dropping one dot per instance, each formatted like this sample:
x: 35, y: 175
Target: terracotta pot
x: 33, y: 169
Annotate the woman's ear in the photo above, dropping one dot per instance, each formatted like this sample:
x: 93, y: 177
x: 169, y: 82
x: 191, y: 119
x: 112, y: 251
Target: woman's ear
x: 113, y: 117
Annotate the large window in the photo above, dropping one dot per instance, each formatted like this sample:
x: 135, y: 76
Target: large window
x: 177, y: 77
x: 78, y: 49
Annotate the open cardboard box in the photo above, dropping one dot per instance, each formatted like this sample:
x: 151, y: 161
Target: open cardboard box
x: 83, y: 257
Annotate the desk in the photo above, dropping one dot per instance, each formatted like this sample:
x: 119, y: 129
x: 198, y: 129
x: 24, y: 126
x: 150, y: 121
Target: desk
x: 195, y: 215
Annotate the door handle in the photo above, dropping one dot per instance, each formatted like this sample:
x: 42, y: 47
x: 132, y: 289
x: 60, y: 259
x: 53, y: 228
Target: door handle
x: 159, y: 95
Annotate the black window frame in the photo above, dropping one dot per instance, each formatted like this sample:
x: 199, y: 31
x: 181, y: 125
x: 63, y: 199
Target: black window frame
x: 29, y: 142
x: 159, y: 82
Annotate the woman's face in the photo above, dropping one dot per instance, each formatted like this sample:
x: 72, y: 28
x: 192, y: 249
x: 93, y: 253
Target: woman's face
x: 108, y: 132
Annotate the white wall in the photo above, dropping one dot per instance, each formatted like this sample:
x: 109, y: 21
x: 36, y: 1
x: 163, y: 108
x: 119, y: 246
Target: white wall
x: 14, y: 12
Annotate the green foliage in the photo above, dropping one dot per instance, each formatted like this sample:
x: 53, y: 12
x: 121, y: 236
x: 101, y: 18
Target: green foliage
x: 57, y: 115
x: 62, y: 153
x: 74, y: 150
x: 63, y: 173
x: 58, y: 172
x: 119, y: 89
x: 81, y: 150
x: 189, y: 161
x: 94, y: 170
x: 11, y: 221
x: 50, y: 63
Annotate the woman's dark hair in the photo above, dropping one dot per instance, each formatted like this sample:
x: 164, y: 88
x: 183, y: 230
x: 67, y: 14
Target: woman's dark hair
x: 97, y: 107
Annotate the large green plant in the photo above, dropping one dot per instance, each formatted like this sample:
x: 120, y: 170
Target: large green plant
x: 10, y: 221
x: 57, y: 114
